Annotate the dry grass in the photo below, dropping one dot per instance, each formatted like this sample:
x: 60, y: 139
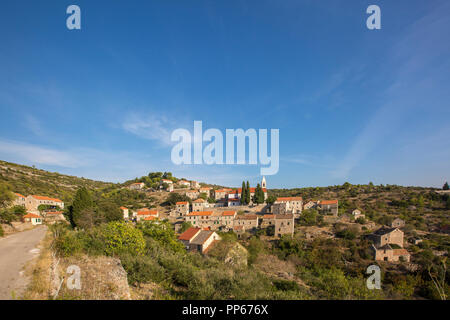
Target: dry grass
x: 38, y: 270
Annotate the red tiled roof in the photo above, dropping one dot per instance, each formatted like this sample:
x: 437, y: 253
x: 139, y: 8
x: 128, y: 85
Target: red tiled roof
x: 149, y: 218
x: 228, y: 213
x: 200, y: 213
x: 328, y: 202
x: 268, y: 216
x: 247, y: 217
x: 54, y: 212
x: 19, y: 195
x: 200, y: 201
x: 290, y: 199
x: 31, y: 215
x: 46, y: 198
x: 182, y: 202
x: 147, y: 212
x: 123, y: 208
x: 189, y: 234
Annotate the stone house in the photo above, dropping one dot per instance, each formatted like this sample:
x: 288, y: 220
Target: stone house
x: 136, y: 186
x: 387, y: 253
x: 54, y: 216
x: 329, y: 207
x: 248, y: 221
x: 195, y: 185
x: 227, y: 219
x: 32, y: 202
x: 201, y: 219
x: 197, y: 239
x: 268, y: 220
x: 184, y: 183
x: 284, y: 224
x: 199, y: 205
x: 192, y: 194
x: 181, y: 209
x: 279, y: 208
x: 397, y: 223
x: 293, y: 204
x: 144, y: 214
x: 20, y: 200
x: 385, y: 236
x: 220, y: 194
x: 309, y: 205
x: 34, y: 219
x: 357, y: 214
x: 206, y: 190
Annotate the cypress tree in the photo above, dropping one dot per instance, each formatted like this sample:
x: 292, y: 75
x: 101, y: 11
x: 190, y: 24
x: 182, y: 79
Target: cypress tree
x: 82, y: 201
x: 446, y: 187
x: 243, y: 194
x: 247, y: 193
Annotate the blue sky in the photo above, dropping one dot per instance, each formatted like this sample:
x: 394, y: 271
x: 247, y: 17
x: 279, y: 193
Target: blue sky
x: 351, y: 104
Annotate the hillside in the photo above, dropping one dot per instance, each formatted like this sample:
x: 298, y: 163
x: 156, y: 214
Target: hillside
x: 28, y: 180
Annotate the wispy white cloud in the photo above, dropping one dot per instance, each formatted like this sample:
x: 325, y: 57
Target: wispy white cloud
x: 87, y: 162
x: 414, y: 75
x: 33, y: 124
x: 40, y: 155
x: 149, y: 127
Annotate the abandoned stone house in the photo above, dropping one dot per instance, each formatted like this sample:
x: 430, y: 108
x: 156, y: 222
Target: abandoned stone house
x: 385, y: 236
x: 309, y: 205
x: 248, y: 221
x: 268, y: 220
x: 52, y: 217
x: 387, y: 253
x: 388, y: 245
x: 357, y: 214
x: 136, y: 186
x: 329, y: 207
x: 205, y: 190
x: 284, y: 224
x: 397, y: 223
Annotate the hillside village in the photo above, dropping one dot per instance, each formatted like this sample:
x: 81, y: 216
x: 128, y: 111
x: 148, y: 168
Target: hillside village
x: 215, y: 221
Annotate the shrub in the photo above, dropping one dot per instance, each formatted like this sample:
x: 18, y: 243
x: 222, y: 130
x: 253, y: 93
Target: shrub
x: 162, y: 232
x: 2, y: 233
x: 141, y: 269
x: 286, y: 285
x: 121, y: 237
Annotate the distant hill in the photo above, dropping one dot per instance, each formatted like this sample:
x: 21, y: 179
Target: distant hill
x: 28, y: 180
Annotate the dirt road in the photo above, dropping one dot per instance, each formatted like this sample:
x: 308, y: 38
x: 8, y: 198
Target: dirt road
x: 15, y: 251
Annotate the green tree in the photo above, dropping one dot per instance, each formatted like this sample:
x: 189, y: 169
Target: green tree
x: 121, y: 237
x: 82, y: 201
x: 6, y: 196
x: 259, y: 195
x: 446, y: 186
x: 244, y: 193
x: 247, y: 193
x: 162, y: 232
